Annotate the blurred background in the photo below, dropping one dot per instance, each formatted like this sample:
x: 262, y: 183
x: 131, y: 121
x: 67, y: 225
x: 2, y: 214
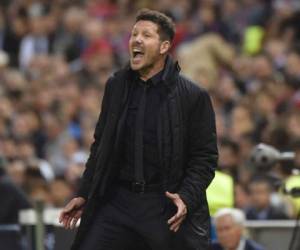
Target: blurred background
x: 56, y: 55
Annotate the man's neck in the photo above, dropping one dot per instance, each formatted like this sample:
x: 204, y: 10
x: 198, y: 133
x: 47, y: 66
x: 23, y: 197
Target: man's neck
x: 151, y: 71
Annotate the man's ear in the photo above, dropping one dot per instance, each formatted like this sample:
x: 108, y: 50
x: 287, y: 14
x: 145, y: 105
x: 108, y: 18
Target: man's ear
x: 164, y: 47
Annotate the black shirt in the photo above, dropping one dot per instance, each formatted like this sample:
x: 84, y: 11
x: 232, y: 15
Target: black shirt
x: 154, y: 92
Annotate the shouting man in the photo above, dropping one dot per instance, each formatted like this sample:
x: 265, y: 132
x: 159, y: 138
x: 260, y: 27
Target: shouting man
x: 153, y: 156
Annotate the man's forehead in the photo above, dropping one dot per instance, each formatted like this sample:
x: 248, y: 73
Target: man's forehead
x: 145, y: 24
x: 225, y: 219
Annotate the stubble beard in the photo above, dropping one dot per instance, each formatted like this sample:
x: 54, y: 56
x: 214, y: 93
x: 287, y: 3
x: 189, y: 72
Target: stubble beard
x: 149, y: 65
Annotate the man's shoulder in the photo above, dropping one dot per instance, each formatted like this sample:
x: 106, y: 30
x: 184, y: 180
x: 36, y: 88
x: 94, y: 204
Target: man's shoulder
x: 187, y: 85
x: 190, y: 91
x: 122, y: 73
x: 116, y: 79
x: 252, y: 245
x: 117, y: 75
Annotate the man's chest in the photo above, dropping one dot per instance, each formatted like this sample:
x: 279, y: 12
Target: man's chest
x: 153, y: 99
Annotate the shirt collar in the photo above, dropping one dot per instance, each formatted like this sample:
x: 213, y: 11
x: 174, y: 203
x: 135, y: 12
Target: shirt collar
x: 242, y: 244
x: 154, y: 80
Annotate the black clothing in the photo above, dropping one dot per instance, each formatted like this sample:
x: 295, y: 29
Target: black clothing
x: 148, y: 230
x: 10, y: 43
x: 271, y: 213
x: 187, y: 151
x: 12, y: 201
x: 154, y: 90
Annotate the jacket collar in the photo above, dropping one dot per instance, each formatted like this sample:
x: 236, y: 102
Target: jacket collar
x: 171, y: 70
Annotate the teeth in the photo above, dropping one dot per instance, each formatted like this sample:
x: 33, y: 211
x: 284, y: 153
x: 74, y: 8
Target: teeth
x: 137, y: 50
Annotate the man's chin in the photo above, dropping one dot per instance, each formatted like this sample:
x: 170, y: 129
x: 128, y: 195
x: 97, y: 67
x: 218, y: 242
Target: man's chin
x: 136, y: 67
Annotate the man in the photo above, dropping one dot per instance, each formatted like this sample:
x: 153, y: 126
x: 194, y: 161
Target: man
x: 13, y: 200
x: 153, y: 157
x: 230, y: 223
x: 261, y: 205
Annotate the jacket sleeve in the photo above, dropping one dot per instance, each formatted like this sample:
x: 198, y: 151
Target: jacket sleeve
x: 202, y: 155
x: 87, y: 177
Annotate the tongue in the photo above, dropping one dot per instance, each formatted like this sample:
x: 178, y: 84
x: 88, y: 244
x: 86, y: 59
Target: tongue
x: 138, y: 58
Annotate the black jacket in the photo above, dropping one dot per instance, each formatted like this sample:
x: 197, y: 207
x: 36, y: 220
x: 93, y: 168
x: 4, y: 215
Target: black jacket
x: 271, y: 213
x: 13, y: 199
x: 187, y: 148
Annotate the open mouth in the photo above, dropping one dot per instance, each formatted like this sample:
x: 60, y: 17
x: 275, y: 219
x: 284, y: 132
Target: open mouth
x: 137, y: 53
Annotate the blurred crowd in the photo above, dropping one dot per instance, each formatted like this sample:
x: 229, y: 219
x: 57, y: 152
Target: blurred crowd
x: 56, y: 55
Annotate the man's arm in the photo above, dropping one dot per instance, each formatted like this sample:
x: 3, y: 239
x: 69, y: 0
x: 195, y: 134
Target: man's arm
x: 87, y: 176
x: 74, y: 209
x: 202, y: 152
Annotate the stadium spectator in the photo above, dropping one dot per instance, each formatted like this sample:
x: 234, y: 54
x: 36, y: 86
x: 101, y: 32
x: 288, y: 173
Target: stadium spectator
x: 13, y: 198
x: 261, y: 206
x: 230, y: 227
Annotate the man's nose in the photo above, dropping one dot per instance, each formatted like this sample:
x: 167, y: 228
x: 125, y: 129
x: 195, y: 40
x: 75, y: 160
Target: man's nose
x: 138, y: 39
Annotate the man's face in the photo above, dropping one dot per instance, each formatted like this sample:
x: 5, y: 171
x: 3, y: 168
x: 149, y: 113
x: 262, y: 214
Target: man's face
x: 260, y: 195
x: 144, y: 45
x: 229, y: 233
x: 228, y: 158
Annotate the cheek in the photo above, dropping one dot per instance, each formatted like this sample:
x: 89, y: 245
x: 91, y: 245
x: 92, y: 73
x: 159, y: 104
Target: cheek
x: 154, y: 52
x: 236, y: 235
x: 153, y: 47
x: 129, y: 43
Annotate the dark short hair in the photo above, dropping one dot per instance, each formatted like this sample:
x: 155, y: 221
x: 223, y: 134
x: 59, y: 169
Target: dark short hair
x: 262, y: 179
x: 227, y: 142
x: 166, y: 27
